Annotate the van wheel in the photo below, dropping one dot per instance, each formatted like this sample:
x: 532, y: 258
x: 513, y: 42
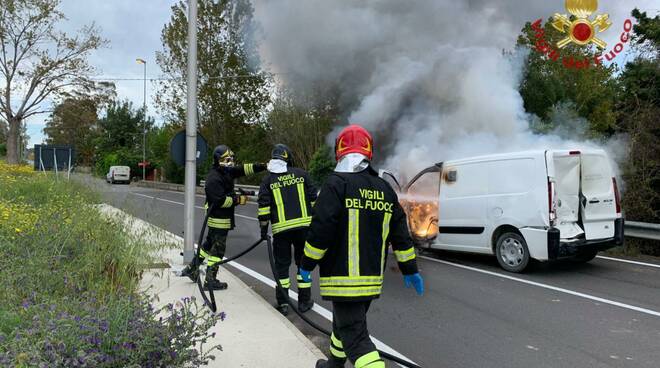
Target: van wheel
x: 585, y: 257
x: 512, y: 253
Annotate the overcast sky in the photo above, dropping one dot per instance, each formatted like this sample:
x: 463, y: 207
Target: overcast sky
x: 133, y: 29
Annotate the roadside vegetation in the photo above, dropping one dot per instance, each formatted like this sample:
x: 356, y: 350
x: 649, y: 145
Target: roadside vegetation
x: 69, y: 295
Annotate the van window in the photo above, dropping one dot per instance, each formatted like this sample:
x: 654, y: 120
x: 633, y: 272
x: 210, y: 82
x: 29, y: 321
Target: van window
x: 596, y: 174
x: 510, y: 176
x: 470, y: 181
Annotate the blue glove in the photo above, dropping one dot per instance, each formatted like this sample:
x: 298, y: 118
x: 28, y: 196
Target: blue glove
x: 306, y: 275
x: 415, y: 280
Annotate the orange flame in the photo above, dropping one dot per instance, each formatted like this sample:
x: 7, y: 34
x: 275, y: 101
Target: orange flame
x: 422, y: 219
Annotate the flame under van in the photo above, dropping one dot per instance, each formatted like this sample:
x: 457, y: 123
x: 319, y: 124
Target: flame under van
x: 542, y: 205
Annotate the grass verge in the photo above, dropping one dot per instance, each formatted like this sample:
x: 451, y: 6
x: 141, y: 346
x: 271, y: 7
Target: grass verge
x: 68, y: 294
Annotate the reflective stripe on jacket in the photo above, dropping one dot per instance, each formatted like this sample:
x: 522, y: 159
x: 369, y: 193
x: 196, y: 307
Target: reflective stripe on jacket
x: 219, y: 189
x: 286, y: 199
x: 355, y: 218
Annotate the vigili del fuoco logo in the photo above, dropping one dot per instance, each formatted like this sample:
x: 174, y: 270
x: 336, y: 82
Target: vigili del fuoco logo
x: 580, y: 29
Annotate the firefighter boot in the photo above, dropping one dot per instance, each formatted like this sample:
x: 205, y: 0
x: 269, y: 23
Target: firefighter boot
x: 305, y: 301
x: 330, y: 363
x: 283, y: 308
x: 282, y: 296
x: 192, y: 270
x: 211, y: 283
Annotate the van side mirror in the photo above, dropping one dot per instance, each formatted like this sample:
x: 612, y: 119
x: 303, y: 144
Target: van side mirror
x: 451, y: 176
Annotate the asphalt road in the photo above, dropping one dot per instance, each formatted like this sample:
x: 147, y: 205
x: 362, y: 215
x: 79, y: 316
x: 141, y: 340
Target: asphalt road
x: 602, y: 314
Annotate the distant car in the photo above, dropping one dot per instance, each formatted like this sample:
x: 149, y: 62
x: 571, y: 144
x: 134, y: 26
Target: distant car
x: 542, y: 205
x: 118, y: 174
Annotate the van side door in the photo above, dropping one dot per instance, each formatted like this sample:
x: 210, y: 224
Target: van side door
x: 462, y: 209
x: 511, y: 195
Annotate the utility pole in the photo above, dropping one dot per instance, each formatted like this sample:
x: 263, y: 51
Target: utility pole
x: 144, y: 122
x: 191, y: 136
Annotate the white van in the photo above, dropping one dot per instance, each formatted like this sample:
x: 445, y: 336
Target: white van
x: 117, y: 174
x: 542, y: 205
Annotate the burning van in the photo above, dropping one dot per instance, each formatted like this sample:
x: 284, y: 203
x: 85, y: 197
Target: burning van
x: 542, y: 205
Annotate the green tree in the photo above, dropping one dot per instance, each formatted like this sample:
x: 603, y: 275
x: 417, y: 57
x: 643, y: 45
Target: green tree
x: 231, y: 94
x: 321, y: 165
x: 549, y: 85
x: 74, y: 122
x: 37, y: 61
x: 302, y: 129
x: 122, y: 127
x: 640, y: 107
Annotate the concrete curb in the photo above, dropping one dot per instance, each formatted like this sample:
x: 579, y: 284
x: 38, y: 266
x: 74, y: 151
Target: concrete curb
x: 302, y: 338
x: 253, y: 335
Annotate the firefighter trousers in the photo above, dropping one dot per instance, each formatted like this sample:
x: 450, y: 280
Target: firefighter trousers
x: 350, y: 338
x: 213, y: 249
x: 282, y: 243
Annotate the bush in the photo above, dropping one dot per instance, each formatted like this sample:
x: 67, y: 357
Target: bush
x: 3, y: 149
x: 80, y: 332
x: 69, y: 277
x: 321, y: 165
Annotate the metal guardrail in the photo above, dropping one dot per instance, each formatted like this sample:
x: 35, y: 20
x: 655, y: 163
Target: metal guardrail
x: 642, y: 230
x: 198, y: 190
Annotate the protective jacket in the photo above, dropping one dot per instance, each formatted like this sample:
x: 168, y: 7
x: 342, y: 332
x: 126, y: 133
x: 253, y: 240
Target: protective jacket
x: 355, y: 218
x: 286, y: 200
x: 219, y: 189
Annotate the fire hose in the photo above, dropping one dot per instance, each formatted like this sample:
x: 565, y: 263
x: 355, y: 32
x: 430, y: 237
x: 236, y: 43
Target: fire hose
x: 210, y: 299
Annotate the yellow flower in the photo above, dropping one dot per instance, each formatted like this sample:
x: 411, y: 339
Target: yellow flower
x: 18, y: 230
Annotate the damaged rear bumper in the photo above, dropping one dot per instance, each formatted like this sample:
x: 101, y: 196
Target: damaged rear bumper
x: 558, y: 249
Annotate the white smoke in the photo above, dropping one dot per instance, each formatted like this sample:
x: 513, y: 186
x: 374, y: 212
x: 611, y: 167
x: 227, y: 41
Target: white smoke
x: 428, y: 78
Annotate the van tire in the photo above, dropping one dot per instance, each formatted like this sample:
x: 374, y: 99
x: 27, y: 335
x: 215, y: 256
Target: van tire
x: 585, y: 257
x: 511, y: 252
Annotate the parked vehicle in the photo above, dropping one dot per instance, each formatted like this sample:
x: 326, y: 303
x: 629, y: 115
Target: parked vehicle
x: 541, y: 205
x: 118, y: 174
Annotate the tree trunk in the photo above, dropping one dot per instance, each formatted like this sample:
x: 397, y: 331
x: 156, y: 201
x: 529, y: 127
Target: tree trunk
x: 12, y: 140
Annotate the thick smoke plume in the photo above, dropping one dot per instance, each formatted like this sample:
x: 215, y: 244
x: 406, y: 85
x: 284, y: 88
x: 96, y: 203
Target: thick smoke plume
x: 429, y: 78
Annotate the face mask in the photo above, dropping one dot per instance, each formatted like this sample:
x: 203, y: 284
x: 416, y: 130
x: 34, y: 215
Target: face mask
x: 227, y: 162
x: 277, y: 166
x: 352, y: 163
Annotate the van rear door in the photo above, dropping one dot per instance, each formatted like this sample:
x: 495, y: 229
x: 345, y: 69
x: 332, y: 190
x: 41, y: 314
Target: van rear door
x: 597, y: 202
x: 566, y: 177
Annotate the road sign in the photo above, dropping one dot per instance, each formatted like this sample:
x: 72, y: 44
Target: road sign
x: 178, y: 148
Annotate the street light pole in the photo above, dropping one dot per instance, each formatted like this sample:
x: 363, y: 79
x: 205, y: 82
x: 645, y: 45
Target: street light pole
x: 191, y: 137
x: 144, y: 122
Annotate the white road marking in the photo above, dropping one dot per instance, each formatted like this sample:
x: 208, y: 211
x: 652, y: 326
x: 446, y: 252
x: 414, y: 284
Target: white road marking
x: 264, y: 279
x: 628, y: 261
x: 180, y: 203
x: 528, y: 282
x: 549, y: 287
x: 160, y: 199
x: 177, y: 192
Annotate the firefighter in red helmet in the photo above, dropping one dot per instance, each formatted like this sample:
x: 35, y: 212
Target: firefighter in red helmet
x: 356, y: 216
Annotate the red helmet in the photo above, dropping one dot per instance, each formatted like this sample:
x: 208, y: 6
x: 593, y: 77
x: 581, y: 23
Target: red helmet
x: 353, y: 139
